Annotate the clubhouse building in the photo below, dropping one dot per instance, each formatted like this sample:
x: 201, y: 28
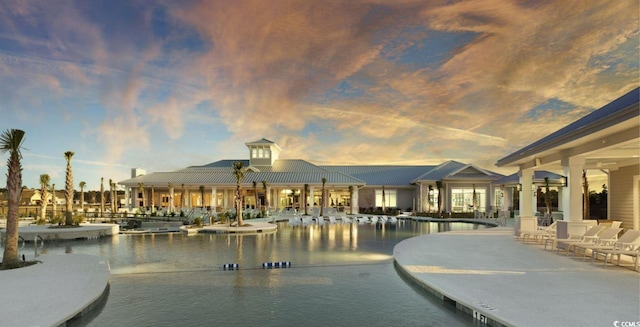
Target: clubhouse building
x: 279, y: 185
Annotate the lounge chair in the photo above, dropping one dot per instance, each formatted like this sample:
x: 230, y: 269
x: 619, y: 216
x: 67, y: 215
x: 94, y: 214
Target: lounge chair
x: 633, y: 252
x: 606, y: 237
x: 332, y: 219
x: 627, y: 240
x: 541, y: 234
x: 573, y: 237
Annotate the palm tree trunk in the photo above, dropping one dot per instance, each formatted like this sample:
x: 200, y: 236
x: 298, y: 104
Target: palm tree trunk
x: 11, y: 141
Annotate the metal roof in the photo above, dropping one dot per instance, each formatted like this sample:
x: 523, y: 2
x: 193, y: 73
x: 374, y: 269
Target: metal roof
x: 620, y: 110
x: 538, y: 178
x: 382, y: 175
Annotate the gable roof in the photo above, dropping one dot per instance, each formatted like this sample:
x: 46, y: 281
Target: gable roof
x: 452, y: 170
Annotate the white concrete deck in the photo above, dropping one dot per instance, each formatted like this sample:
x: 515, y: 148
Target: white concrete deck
x: 52, y: 292
x: 517, y: 284
x: 30, y: 232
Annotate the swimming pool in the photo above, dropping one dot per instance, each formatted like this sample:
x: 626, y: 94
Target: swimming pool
x: 341, y: 275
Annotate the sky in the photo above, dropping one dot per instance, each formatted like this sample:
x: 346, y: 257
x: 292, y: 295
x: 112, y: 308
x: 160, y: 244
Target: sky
x: 161, y: 85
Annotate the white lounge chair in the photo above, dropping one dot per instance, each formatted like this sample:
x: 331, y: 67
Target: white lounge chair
x: 541, y: 234
x: 607, y: 236
x: 332, y: 219
x: 633, y: 252
x: 574, y: 238
x: 628, y: 241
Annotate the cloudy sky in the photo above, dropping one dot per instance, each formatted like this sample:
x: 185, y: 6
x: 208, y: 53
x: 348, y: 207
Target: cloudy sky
x: 161, y: 85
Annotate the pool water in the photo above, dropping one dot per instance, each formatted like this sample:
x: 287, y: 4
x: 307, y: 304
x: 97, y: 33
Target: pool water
x: 340, y: 275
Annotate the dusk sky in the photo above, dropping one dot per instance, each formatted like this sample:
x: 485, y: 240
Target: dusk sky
x: 162, y: 85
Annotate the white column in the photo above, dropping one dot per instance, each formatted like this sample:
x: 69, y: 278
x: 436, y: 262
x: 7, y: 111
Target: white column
x: 312, y: 203
x: 526, y: 180
x: 354, y: 201
x: 267, y: 196
x: 560, y: 195
x: 214, y: 198
x: 128, y: 198
x: 572, y: 195
x: 225, y: 199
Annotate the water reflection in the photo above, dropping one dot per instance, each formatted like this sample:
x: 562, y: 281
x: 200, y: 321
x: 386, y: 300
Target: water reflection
x: 340, y: 275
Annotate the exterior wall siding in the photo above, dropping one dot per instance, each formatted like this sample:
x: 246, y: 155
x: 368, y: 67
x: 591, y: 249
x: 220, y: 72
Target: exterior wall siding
x: 621, y: 194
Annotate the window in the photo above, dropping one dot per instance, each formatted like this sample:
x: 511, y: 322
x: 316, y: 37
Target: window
x: 389, y: 198
x: 254, y: 153
x: 462, y: 199
x: 261, y: 153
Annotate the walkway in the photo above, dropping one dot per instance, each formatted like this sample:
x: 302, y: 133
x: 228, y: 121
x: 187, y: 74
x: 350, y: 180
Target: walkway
x: 517, y: 284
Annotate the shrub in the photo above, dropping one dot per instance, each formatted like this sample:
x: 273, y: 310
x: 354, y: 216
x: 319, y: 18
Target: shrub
x: 78, y: 219
x: 198, y: 221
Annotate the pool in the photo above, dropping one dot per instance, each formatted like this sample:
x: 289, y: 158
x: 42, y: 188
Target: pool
x: 340, y: 275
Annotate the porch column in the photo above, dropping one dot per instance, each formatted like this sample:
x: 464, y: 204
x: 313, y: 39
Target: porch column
x: 310, y: 195
x: 267, y: 197
x: 128, y: 199
x: 354, y: 201
x: 214, y: 198
x: 572, y: 196
x: 225, y: 199
x: 526, y: 180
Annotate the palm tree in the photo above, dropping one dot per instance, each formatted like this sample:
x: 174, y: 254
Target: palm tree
x: 112, y: 197
x: 547, y: 196
x: 101, y: 196
x: 304, y: 199
x: 265, y: 184
x: 202, y: 196
x: 351, y: 199
x: 439, y: 187
x: 238, y: 172
x: 255, y: 193
x: 82, y: 185
x: 44, y: 194
x: 324, y: 181
x: 171, y: 204
x: 586, y: 215
x: 54, y: 199
x: 384, y: 204
x: 11, y: 141
x: 68, y: 186
x: 182, y: 196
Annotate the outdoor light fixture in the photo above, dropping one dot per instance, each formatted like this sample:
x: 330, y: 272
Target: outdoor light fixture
x: 519, y: 187
x: 565, y: 181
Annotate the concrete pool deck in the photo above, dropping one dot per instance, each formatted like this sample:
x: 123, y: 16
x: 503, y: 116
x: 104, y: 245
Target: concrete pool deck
x: 486, y: 270
x: 516, y: 284
x: 53, y: 292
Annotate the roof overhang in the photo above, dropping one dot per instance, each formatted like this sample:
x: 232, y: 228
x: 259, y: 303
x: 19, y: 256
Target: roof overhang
x: 606, y: 142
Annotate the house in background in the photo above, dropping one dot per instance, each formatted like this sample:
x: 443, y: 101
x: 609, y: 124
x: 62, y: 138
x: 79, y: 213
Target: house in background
x: 606, y: 140
x: 348, y: 188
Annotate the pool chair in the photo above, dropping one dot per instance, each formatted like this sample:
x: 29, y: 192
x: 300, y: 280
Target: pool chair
x: 306, y: 220
x: 345, y: 220
x: 633, y: 252
x: 606, y: 237
x: 373, y: 219
x: 572, y: 237
x: 294, y: 221
x: 362, y: 220
x: 541, y: 234
x: 320, y: 220
x: 393, y: 220
x: 332, y: 219
x: 629, y: 240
